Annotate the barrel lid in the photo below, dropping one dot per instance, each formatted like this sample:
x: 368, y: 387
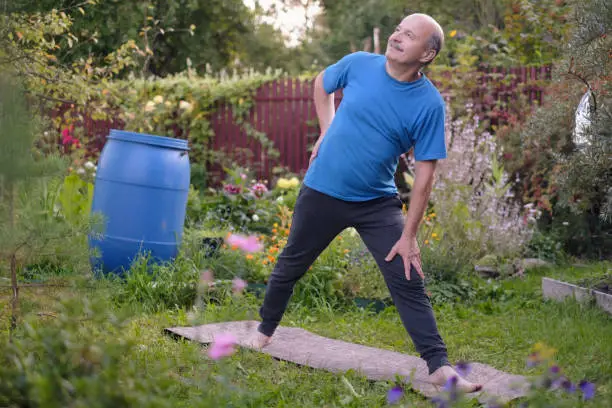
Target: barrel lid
x: 144, y: 138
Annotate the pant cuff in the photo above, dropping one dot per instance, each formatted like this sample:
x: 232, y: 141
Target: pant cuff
x: 436, y: 362
x: 267, y: 329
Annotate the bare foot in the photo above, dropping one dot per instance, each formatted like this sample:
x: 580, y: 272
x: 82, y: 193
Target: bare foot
x: 258, y: 340
x: 442, y: 375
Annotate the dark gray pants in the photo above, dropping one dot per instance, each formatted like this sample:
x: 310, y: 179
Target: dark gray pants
x: 317, y: 220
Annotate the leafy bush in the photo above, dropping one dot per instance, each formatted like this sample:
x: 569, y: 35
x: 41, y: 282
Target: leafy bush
x: 79, y: 358
x: 474, y: 212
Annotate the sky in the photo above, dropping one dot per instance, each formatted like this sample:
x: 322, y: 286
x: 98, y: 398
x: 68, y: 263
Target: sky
x: 290, y: 22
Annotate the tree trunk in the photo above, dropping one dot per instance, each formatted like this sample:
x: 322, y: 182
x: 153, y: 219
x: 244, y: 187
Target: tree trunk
x: 10, y: 195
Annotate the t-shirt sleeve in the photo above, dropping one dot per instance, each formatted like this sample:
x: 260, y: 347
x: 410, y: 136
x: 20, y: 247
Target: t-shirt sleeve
x: 336, y: 75
x: 430, y: 141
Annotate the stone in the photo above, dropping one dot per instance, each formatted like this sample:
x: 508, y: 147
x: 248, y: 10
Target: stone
x: 559, y: 290
x: 532, y: 263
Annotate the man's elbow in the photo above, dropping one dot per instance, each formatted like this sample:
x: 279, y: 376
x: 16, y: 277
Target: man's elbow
x: 318, y: 83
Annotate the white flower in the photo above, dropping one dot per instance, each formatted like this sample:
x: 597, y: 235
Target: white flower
x: 89, y: 165
x: 184, y: 105
x: 81, y: 171
x: 565, y: 223
x: 158, y: 99
x: 280, y: 199
x: 255, y: 217
x: 150, y: 106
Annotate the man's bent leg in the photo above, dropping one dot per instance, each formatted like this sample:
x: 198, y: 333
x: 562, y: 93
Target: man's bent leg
x: 380, y: 225
x: 317, y: 219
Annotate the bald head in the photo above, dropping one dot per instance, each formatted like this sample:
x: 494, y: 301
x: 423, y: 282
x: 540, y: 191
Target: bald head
x: 433, y: 32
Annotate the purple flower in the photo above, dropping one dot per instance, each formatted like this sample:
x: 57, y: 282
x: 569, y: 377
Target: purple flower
x: 588, y: 389
x: 533, y: 360
x: 451, y: 383
x: 463, y: 368
x: 394, y: 395
x: 555, y: 369
x: 568, y: 386
x: 440, y: 402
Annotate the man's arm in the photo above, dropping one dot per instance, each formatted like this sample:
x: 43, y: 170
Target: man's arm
x: 407, y: 246
x: 324, y: 104
x: 419, y: 197
x: 325, y: 108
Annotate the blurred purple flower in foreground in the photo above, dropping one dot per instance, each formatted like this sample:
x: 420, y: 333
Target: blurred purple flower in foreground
x: 238, y: 285
x: 463, y: 368
x: 394, y: 395
x: 245, y: 243
x: 588, y: 389
x: 222, y: 346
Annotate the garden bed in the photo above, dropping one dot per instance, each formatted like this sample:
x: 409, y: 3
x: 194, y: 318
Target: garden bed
x: 598, y: 291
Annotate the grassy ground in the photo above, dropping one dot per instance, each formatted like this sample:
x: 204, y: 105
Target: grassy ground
x: 499, y: 332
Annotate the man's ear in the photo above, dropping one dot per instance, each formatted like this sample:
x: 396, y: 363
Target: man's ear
x: 428, y: 56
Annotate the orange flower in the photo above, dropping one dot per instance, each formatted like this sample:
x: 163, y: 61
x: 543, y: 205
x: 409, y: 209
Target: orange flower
x: 234, y: 246
x: 346, y: 251
x: 249, y: 256
x: 271, y: 258
x: 274, y: 231
x: 273, y: 250
x: 287, y: 231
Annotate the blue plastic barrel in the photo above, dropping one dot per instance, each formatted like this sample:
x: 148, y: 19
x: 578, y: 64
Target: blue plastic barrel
x: 141, y: 189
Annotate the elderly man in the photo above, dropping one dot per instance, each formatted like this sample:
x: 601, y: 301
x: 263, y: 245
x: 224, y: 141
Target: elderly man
x: 389, y: 107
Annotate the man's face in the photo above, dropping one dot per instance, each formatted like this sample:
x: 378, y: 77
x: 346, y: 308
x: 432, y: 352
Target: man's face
x: 409, y: 43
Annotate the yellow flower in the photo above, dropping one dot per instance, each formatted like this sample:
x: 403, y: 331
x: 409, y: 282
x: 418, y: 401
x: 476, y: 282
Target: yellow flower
x: 426, y: 242
x: 433, y: 235
x: 452, y: 33
x: 283, y: 183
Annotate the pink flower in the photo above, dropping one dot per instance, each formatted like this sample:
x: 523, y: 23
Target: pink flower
x: 232, y: 189
x: 247, y: 244
x: 222, y: 346
x: 238, y: 285
x: 207, y: 278
x: 259, y: 189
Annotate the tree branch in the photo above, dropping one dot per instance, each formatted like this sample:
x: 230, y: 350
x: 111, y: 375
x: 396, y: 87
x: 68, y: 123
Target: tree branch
x: 573, y: 73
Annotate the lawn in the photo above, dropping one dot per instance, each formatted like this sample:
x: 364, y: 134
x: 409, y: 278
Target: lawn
x: 499, y: 331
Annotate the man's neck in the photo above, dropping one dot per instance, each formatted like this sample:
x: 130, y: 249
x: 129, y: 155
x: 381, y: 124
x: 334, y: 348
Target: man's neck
x: 403, y: 73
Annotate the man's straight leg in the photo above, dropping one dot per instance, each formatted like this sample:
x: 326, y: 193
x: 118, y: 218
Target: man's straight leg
x: 317, y: 219
x: 380, y: 225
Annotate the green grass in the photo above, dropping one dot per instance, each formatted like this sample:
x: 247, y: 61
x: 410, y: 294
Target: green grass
x: 499, y: 333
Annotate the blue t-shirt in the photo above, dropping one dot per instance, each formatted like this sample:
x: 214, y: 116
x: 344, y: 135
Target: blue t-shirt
x: 378, y: 119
